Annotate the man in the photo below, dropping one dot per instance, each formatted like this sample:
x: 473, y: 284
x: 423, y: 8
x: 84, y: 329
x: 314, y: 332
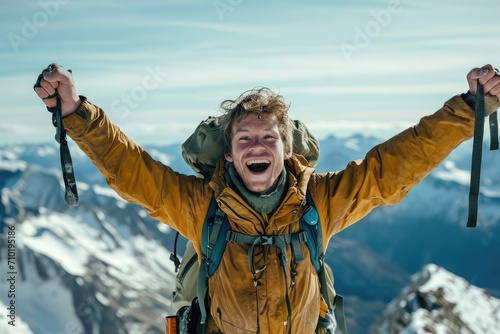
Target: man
x: 261, y: 186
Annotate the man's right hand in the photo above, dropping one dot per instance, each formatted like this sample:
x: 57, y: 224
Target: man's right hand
x: 57, y: 79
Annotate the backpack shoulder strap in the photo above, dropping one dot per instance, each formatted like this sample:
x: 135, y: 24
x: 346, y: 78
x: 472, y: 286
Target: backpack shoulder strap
x: 310, y: 223
x: 213, y: 244
x: 215, y: 228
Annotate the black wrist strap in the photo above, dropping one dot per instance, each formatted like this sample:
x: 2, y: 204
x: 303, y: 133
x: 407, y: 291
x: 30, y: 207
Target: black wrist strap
x: 477, y: 151
x: 70, y: 191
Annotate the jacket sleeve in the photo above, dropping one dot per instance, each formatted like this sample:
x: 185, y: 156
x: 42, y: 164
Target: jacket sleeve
x: 392, y: 168
x: 166, y: 195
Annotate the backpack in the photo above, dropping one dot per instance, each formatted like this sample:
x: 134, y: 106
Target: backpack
x: 201, y: 151
x: 204, y: 147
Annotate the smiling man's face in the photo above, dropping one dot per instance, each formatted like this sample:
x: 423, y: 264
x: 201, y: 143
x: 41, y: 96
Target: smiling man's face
x: 257, y: 151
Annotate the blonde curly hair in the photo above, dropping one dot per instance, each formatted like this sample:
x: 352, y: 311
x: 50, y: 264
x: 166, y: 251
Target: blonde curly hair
x: 260, y: 101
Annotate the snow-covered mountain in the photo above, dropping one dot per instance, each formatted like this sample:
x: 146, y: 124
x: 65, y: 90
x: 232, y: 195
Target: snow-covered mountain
x: 103, y: 267
x: 437, y: 301
x: 17, y: 327
x: 99, y: 268
x: 429, y: 225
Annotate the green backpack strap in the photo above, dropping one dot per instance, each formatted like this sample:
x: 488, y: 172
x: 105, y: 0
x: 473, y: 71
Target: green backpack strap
x: 311, y: 225
x: 339, y: 311
x: 279, y: 241
x: 212, y: 249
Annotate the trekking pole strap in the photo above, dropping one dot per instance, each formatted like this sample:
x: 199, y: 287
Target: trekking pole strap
x: 70, y: 191
x: 477, y: 151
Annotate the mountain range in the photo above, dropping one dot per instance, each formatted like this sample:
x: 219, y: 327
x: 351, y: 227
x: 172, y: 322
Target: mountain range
x: 104, y: 267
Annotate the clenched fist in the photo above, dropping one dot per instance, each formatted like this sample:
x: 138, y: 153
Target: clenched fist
x: 489, y: 78
x: 56, y: 80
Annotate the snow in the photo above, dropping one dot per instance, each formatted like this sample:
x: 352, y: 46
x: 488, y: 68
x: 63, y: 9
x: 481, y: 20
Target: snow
x: 82, y: 186
x: 420, y: 320
x: 12, y: 153
x: 47, y: 304
x: 453, y: 174
x: 467, y: 309
x: 490, y: 193
x: 128, y: 265
x: 72, y: 244
x: 13, y: 166
x: 160, y: 156
x: 474, y: 306
x: 45, y: 151
x: 106, y: 191
x: 101, y: 298
x: 163, y: 228
x: 19, y: 327
x: 42, y: 235
x: 143, y: 213
x: 54, y: 317
x: 353, y: 144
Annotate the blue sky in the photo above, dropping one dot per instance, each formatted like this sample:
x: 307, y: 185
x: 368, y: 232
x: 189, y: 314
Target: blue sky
x: 160, y: 67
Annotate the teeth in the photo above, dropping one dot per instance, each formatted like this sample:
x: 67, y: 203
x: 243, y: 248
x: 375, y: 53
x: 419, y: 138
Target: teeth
x: 258, y: 161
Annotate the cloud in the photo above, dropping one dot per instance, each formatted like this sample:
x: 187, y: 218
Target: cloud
x: 291, y: 47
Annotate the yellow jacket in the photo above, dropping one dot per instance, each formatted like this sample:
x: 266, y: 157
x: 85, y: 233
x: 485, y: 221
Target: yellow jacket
x: 237, y: 305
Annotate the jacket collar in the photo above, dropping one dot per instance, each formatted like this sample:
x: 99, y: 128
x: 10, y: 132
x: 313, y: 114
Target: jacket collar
x: 244, y: 219
x: 300, y: 170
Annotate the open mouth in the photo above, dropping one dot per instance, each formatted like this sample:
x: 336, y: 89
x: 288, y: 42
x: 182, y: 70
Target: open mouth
x: 258, y: 166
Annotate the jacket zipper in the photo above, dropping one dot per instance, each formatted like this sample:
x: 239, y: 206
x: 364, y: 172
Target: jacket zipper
x: 256, y: 284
